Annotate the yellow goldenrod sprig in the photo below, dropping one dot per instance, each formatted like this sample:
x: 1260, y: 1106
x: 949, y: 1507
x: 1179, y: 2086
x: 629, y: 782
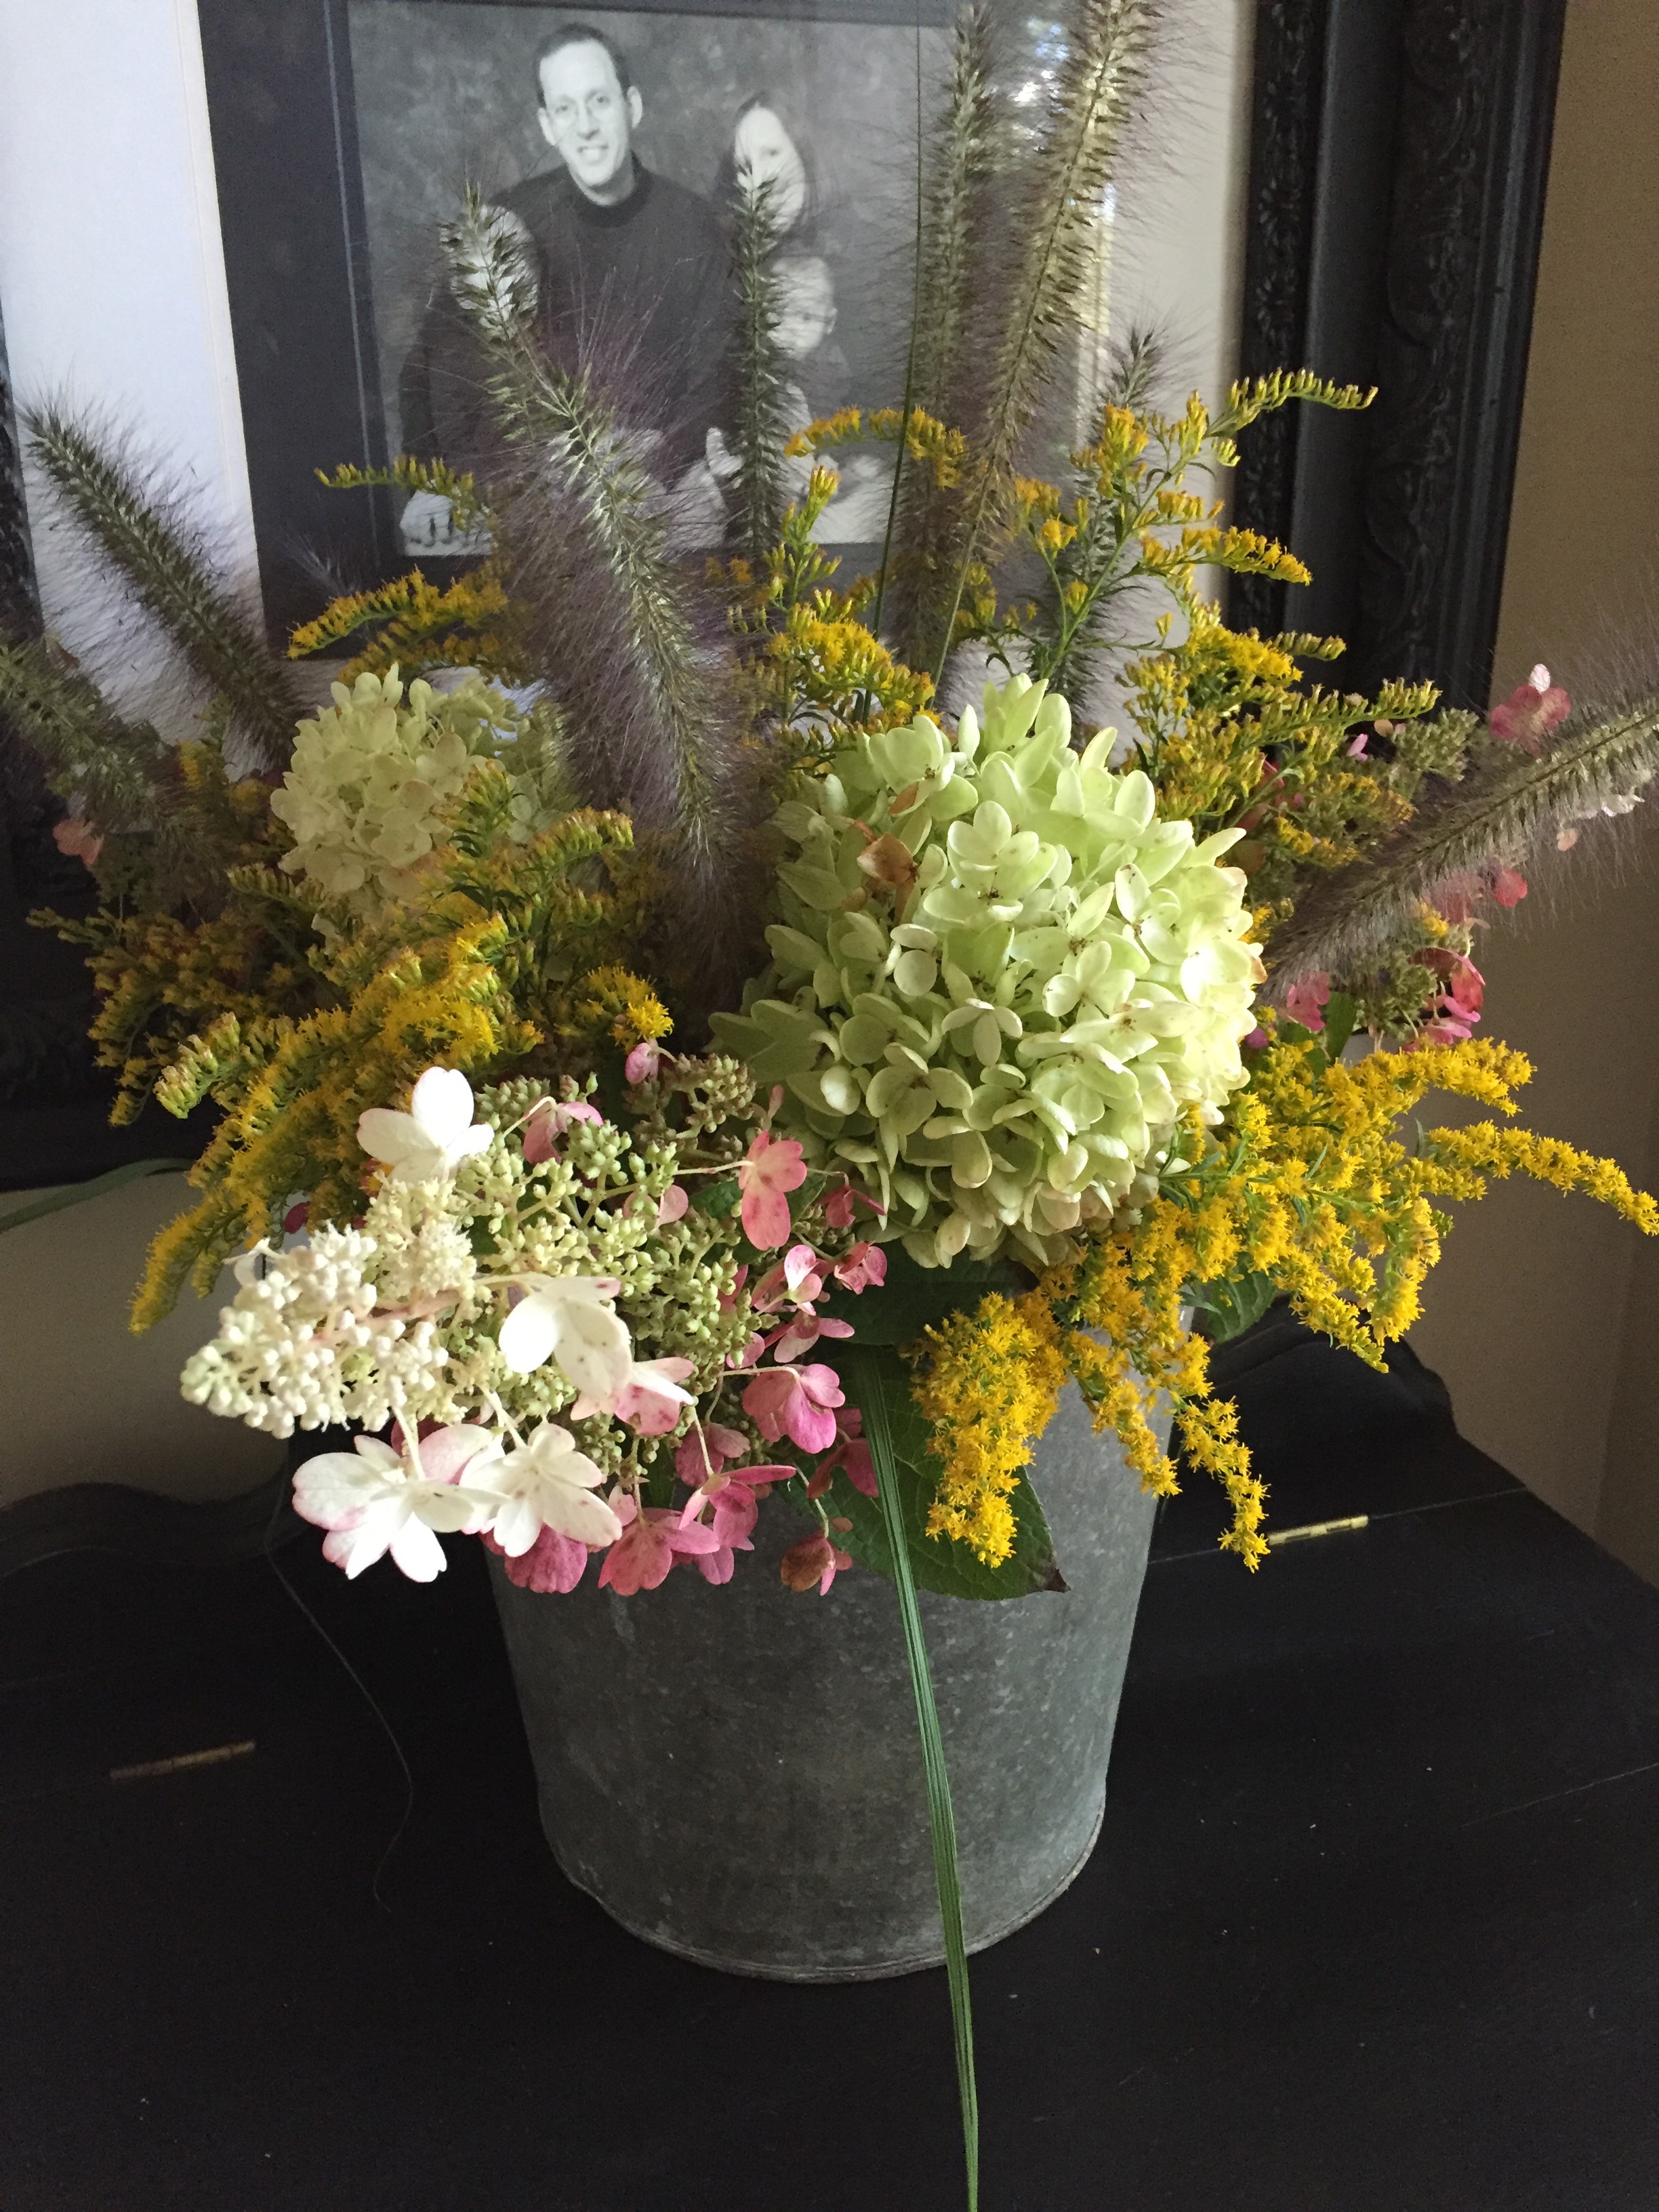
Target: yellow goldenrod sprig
x: 1308, y: 1184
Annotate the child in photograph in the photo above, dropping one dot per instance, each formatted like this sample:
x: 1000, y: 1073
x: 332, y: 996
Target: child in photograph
x: 806, y: 329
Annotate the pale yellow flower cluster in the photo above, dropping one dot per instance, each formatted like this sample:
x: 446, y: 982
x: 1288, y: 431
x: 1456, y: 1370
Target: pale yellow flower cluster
x: 371, y: 778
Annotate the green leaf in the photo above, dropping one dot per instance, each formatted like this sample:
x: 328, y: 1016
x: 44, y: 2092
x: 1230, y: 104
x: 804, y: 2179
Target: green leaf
x: 867, y: 1372
x: 718, y: 1198
x: 913, y: 1297
x: 1341, y: 1013
x: 1231, y: 1308
x: 937, y: 1563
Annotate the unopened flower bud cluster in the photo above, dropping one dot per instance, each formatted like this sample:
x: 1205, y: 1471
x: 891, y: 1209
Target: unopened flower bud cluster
x: 333, y: 1333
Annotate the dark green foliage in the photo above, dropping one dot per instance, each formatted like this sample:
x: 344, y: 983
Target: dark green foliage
x: 938, y: 1564
x: 1228, y: 1309
x: 913, y: 1298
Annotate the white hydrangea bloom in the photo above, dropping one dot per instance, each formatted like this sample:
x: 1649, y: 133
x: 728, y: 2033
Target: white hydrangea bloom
x: 437, y: 1133
x: 425, y: 1254
x: 475, y: 1303
x: 1000, y: 979
x: 282, y: 1356
x: 363, y: 1325
x: 371, y: 775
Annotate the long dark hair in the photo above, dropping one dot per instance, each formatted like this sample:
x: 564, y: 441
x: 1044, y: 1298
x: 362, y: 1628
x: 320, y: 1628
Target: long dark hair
x: 801, y: 234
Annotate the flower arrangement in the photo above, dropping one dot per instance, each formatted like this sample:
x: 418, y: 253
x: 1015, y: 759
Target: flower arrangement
x: 490, y: 1309
x: 1012, y: 1041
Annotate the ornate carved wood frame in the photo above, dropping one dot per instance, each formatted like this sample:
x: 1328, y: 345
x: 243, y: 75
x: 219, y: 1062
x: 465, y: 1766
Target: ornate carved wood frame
x: 1400, y: 150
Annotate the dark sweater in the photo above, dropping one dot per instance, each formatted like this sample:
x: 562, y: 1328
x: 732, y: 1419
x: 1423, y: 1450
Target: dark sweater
x: 638, y: 292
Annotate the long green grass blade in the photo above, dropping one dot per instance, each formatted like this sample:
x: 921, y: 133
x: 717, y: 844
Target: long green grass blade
x: 864, y: 1372
x: 78, y: 1192
x: 910, y: 364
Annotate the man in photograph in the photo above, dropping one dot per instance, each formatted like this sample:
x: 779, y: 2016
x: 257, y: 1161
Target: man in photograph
x: 634, y: 278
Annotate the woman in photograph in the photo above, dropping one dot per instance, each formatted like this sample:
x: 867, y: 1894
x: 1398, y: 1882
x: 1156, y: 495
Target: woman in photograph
x: 764, y: 151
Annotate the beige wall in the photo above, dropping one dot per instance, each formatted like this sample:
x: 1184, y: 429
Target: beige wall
x: 1544, y: 1316
x: 81, y: 1398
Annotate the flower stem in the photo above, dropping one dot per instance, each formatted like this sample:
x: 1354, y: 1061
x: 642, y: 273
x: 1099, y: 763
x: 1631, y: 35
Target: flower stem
x: 864, y: 1373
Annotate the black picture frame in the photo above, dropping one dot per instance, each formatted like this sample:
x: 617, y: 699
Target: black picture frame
x: 1399, y: 160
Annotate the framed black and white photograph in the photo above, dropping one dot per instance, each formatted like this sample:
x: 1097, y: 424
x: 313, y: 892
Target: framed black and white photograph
x: 616, y: 137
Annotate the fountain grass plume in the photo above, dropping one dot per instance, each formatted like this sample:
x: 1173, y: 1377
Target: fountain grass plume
x: 1136, y: 365
x: 119, y: 773
x: 1508, y: 811
x: 131, y: 518
x: 616, y: 633
x: 761, y: 427
x: 951, y: 279
x: 1047, y: 245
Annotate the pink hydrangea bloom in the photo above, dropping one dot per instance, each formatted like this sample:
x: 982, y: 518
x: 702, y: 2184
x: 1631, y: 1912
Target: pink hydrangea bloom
x: 644, y: 1061
x: 672, y: 1205
x: 721, y: 1490
x: 802, y: 1331
x: 554, y: 1562
x: 1466, y: 990
x: 1305, y: 1001
x: 721, y: 1443
x: 815, y: 1560
x: 732, y: 1500
x: 733, y: 1507
x: 798, y: 1275
x: 774, y: 1167
x: 717, y: 1566
x: 642, y: 1556
x: 1532, y: 710
x: 1465, y: 986
x: 76, y: 840
x: 863, y: 1268
x: 795, y: 1402
x: 851, y: 1452
x: 838, y: 1208
x: 548, y: 1122
x: 649, y: 1398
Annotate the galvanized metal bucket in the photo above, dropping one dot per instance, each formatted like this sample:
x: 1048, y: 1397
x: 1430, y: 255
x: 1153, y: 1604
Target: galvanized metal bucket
x: 735, y: 1774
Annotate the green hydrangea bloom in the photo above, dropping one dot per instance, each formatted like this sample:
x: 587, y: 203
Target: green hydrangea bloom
x: 999, y: 979
x: 371, y: 777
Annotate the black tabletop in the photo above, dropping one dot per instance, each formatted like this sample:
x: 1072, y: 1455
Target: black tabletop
x: 1373, y: 1924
